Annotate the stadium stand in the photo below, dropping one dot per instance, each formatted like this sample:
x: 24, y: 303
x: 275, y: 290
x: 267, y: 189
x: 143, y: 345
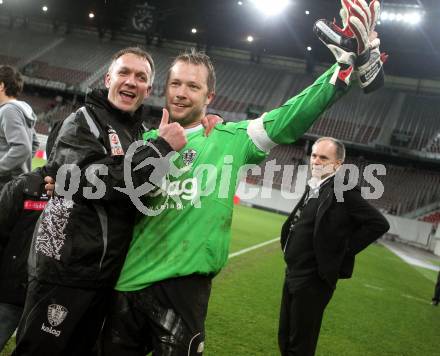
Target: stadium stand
x: 40, y: 104
x: 406, y: 189
x: 19, y: 44
x: 242, y: 85
x: 78, y: 59
x: 358, y: 119
x: 420, y: 117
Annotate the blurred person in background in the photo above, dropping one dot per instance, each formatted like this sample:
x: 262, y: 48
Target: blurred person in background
x: 18, y: 140
x: 21, y: 202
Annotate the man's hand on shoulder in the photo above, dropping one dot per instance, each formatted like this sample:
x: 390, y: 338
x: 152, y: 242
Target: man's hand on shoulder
x: 173, y: 133
x: 209, y: 122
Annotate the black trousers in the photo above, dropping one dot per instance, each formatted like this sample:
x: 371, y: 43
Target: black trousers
x: 147, y: 320
x: 301, y: 316
x: 60, y: 320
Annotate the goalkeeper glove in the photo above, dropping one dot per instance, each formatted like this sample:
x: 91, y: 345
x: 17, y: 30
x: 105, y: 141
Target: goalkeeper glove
x: 351, y: 44
x: 362, y: 22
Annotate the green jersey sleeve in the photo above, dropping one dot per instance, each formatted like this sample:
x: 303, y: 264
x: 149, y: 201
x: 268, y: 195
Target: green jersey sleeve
x: 290, y: 121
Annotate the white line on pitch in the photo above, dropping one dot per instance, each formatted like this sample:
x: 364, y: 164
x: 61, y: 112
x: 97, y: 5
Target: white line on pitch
x: 373, y: 287
x: 415, y: 298
x: 245, y: 250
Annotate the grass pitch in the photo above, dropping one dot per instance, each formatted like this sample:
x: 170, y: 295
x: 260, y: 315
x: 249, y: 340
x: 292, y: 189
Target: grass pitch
x: 383, y: 310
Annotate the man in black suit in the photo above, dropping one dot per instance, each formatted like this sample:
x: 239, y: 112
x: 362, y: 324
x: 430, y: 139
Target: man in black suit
x: 319, y: 240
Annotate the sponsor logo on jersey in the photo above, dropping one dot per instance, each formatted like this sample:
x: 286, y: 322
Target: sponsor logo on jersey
x: 189, y: 156
x: 50, y: 330
x: 115, y: 143
x: 34, y: 205
x: 56, y: 314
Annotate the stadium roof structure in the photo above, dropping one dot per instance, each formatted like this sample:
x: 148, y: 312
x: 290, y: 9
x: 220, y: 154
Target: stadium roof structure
x: 414, y: 48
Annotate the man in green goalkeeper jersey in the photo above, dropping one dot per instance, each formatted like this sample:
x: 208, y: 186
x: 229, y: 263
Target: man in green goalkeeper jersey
x: 162, y: 293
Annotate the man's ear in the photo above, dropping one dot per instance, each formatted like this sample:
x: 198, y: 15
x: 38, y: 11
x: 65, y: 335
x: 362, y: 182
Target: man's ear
x: 107, y: 80
x: 210, y: 98
x: 338, y: 164
x: 148, y: 91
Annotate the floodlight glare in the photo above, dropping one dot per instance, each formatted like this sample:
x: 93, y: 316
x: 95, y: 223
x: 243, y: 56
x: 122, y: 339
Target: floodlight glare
x: 1, y: 2
x: 240, y: 3
x: 413, y: 18
x: 250, y: 39
x: 44, y: 8
x: 307, y: 12
x: 193, y: 30
x: 309, y: 48
x: 271, y: 7
x: 91, y: 15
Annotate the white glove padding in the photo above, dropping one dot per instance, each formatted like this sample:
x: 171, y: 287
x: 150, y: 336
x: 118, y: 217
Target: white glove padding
x: 361, y: 20
x: 370, y: 72
x: 355, y: 45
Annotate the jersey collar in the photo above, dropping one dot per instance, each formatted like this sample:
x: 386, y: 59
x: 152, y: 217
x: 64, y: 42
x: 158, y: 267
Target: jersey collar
x: 194, y: 129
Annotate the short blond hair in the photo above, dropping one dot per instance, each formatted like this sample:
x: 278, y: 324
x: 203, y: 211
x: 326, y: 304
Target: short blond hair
x: 197, y: 58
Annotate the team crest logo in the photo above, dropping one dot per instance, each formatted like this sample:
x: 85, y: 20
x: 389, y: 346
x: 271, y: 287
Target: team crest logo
x: 189, y: 156
x: 56, y: 314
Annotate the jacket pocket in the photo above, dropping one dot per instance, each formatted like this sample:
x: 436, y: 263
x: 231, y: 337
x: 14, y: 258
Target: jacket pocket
x: 85, y: 233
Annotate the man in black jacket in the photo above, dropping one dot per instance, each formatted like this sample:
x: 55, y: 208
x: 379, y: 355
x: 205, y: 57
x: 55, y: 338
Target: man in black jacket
x: 21, y: 202
x: 79, y: 244
x: 319, y: 240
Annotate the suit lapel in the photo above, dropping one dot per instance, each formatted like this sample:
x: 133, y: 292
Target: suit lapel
x: 324, y: 201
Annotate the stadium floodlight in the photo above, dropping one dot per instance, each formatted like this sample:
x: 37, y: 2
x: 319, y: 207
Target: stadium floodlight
x: 309, y: 48
x: 271, y: 7
x: 250, y: 39
x: 409, y: 14
x: 1, y: 2
x: 91, y: 15
x: 240, y: 3
x: 194, y: 30
x: 44, y: 8
x: 307, y: 12
x: 413, y: 18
